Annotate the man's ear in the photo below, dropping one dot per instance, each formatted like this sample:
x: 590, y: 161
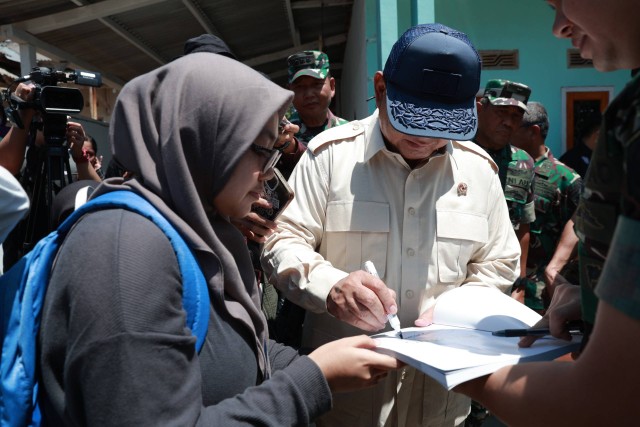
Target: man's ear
x: 332, y: 85
x: 379, y: 88
x: 536, y: 130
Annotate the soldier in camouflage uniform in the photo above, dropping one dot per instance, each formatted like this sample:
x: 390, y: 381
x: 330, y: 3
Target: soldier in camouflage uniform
x: 500, y: 112
x: 557, y: 191
x: 611, y: 192
x: 314, y: 88
x: 608, y: 226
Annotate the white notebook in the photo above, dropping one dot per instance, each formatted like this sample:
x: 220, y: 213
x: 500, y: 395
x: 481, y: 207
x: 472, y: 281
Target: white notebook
x: 459, y: 346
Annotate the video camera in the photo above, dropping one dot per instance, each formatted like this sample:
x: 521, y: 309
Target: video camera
x: 47, y: 168
x: 54, y: 102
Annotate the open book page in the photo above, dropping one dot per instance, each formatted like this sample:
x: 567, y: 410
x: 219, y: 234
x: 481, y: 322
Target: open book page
x: 453, y: 354
x: 448, y: 348
x: 483, y: 308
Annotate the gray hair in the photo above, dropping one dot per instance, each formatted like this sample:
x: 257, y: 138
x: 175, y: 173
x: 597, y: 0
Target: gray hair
x: 536, y: 114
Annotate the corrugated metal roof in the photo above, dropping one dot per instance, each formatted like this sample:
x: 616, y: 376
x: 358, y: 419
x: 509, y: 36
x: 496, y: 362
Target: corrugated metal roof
x: 123, y: 38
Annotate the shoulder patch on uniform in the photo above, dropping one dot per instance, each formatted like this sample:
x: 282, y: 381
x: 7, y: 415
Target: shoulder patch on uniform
x: 337, y: 133
x: 476, y: 149
x: 521, y: 156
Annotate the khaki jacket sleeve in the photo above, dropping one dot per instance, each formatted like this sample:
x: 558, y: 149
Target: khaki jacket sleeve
x: 289, y: 257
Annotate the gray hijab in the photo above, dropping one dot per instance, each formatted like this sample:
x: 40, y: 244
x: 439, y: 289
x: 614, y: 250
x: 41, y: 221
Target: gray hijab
x: 181, y: 129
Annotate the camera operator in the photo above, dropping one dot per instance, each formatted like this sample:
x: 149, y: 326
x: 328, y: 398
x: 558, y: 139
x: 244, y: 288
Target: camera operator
x: 23, y: 163
x: 14, y: 144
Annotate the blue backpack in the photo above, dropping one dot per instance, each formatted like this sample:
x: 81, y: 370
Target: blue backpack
x: 22, y: 293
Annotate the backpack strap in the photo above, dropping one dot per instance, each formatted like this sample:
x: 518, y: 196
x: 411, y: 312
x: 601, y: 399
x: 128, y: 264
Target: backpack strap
x: 195, y: 294
x: 23, y: 289
x: 21, y: 298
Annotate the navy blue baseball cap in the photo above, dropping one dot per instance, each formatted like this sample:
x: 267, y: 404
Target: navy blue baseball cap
x: 432, y: 77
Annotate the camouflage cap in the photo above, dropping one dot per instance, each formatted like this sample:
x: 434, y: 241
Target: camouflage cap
x: 504, y: 92
x: 311, y: 63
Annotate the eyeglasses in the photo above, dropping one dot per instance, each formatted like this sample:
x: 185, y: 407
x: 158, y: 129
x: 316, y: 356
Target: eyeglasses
x: 272, y: 155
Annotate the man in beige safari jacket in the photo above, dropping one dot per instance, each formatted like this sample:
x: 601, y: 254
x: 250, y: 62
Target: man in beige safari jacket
x: 397, y: 188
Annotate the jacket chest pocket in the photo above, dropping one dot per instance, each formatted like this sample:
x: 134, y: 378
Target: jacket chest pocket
x: 518, y: 185
x: 456, y: 234
x: 357, y: 231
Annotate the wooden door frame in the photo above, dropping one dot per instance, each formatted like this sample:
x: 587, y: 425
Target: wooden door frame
x: 566, y: 111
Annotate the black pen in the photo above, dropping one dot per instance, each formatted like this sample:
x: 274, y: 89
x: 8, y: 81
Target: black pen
x: 573, y: 328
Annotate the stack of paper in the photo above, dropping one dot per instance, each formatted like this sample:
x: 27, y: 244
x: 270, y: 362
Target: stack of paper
x: 459, y: 346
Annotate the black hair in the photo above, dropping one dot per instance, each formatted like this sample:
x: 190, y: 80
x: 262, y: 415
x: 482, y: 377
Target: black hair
x: 536, y: 114
x: 589, y: 124
x: 94, y: 143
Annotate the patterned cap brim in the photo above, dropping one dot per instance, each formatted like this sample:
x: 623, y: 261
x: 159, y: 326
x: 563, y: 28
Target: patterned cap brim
x: 311, y: 72
x: 507, y: 102
x: 431, y: 119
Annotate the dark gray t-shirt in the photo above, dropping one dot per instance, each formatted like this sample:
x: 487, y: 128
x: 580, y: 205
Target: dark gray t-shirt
x: 115, y: 348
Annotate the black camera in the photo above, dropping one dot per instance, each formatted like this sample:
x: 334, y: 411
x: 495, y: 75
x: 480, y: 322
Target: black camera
x: 54, y: 102
x: 47, y: 169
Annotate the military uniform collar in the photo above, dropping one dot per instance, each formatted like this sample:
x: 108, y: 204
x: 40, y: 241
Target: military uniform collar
x: 547, y: 155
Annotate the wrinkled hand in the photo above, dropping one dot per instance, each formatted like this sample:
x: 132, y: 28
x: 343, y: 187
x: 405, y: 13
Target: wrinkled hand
x: 350, y: 364
x: 97, y: 162
x: 75, y: 138
x: 26, y: 92
x: 558, y: 279
x: 287, y: 136
x: 362, y: 300
x: 564, y: 307
x: 253, y: 226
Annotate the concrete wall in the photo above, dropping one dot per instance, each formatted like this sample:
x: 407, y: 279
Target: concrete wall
x: 492, y: 25
x: 526, y: 25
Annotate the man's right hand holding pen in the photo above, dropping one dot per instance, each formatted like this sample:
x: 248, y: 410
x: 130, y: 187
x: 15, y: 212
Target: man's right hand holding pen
x: 362, y: 300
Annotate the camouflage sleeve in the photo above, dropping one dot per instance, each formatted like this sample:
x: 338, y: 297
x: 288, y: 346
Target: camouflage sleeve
x: 572, y: 197
x: 528, y: 213
x: 619, y: 285
x: 631, y: 192
x: 573, y: 191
